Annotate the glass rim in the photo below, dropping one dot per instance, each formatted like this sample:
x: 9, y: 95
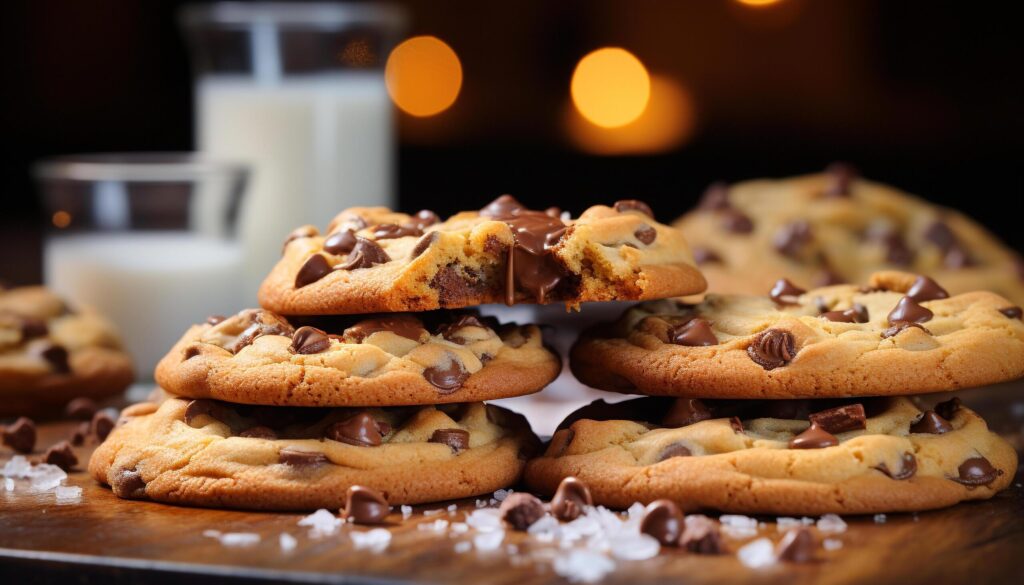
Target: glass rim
x: 312, y: 14
x: 136, y: 166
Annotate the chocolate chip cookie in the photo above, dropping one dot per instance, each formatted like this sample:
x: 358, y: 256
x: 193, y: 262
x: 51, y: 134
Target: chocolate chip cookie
x: 902, y: 334
x: 834, y: 228
x: 211, y: 453
x: 375, y: 260
x: 259, y: 357
x: 50, y: 354
x: 794, y: 457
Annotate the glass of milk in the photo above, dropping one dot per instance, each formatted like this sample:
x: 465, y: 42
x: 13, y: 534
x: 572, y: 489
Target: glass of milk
x: 296, y: 91
x: 149, y: 240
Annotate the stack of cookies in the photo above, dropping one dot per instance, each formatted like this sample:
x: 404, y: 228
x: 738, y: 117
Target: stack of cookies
x: 363, y: 368
x: 797, y: 402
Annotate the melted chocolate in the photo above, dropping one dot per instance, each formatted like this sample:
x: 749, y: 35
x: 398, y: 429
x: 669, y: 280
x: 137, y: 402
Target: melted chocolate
x: 390, y: 231
x: 685, y: 412
x: 365, y: 505
x: 908, y: 467
x: 313, y: 270
x: 448, y: 379
x: 364, y: 254
x: 299, y: 458
x: 772, y: 348
x: 457, y: 439
x: 674, y: 450
x: 907, y: 310
x: 947, y: 409
x: 340, y: 243
x: 695, y: 332
x: 977, y: 471
x: 309, y: 340
x: 570, y: 500
x: 406, y: 326
x: 899, y: 327
x: 785, y: 292
x: 360, y: 430
x: 926, y: 289
x: 857, y: 314
x: 931, y: 423
x: 814, y: 437
x: 664, y: 521
x: 424, y: 243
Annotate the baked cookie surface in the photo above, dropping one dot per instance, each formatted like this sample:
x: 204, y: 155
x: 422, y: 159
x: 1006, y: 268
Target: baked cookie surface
x: 259, y: 357
x: 901, y: 335
x: 50, y: 354
x: 778, y: 457
x: 832, y: 228
x: 375, y: 260
x: 211, y: 453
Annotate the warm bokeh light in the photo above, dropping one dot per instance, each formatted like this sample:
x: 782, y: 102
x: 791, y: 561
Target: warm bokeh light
x: 668, y: 121
x: 423, y: 76
x: 610, y: 87
x: 61, y: 219
x: 758, y: 3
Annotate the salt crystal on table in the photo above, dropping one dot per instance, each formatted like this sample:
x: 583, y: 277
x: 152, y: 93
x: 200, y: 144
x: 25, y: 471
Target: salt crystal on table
x: 636, y: 511
x: 8, y: 484
x: 634, y: 547
x: 211, y: 533
x: 463, y: 546
x: 585, y: 525
x: 832, y: 544
x: 485, y: 520
x: 831, y: 523
x: 435, y: 526
x: 880, y: 518
x: 583, y: 566
x: 287, y: 542
x: 738, y: 526
x: 607, y: 520
x: 240, y: 539
x: 460, y: 527
x: 783, y: 523
x: 375, y: 540
x: 481, y: 503
x: 488, y: 541
x: 492, y: 502
x: 17, y: 467
x: 45, y: 477
x: 406, y: 512
x: 429, y: 513
x: 71, y: 494
x: 321, y: 523
x: 500, y: 495
x: 757, y: 553
x: 453, y: 509
x: 544, y: 529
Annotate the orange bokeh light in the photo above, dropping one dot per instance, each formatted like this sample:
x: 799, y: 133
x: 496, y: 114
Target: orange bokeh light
x: 610, y: 87
x: 61, y: 219
x: 423, y: 76
x: 758, y: 3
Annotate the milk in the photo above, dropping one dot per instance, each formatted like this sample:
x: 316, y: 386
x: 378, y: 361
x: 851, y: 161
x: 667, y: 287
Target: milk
x: 317, y: 145
x: 152, y: 285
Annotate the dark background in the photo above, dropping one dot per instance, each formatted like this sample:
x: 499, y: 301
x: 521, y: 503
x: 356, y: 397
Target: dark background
x: 923, y: 95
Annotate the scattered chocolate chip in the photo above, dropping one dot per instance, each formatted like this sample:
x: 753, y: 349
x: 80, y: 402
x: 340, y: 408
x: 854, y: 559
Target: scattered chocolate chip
x: 977, y: 471
x: 940, y: 234
x: 128, y: 484
x: 716, y: 196
x: 215, y: 319
x: 772, y: 348
x: 424, y: 243
x: 839, y: 177
x: 313, y: 270
x: 80, y: 435
x: 931, y: 423
x: 909, y: 311
x: 520, y: 510
x: 457, y: 439
x: 947, y: 409
x: 785, y: 292
x: 390, y: 231
x: 646, y: 234
x: 856, y: 314
x: 448, y: 379
x: 56, y: 356
x: 926, y: 289
x: 80, y: 408
x: 736, y: 222
x: 840, y: 419
x: 634, y: 205
x: 695, y: 332
x: 365, y: 505
x: 424, y: 218
x: 360, y: 430
x: 685, y: 412
x: 502, y: 206
x: 61, y: 455
x: 306, y: 231
x: 701, y: 535
x: 340, y: 243
x: 797, y: 546
x: 814, y: 437
x: 674, y: 450
x: 1012, y: 312
x: 705, y: 256
x: 908, y: 467
x: 405, y: 326
x: 259, y: 432
x: 20, y: 435
x: 365, y: 254
x: 791, y: 239
x: 571, y: 498
x: 102, y: 423
x: 664, y: 521
x: 299, y: 458
x: 899, y: 327
x: 309, y: 340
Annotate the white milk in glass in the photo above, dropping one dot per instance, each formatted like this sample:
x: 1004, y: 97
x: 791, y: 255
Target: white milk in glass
x: 152, y: 285
x: 316, y: 145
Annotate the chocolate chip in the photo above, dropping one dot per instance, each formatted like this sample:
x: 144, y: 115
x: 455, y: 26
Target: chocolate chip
x: 61, y: 455
x: 56, y: 356
x: 931, y: 423
x: 365, y: 254
x: 899, y: 327
x: 939, y: 234
x: 205, y: 407
x: 947, y: 409
x: 405, y: 326
x: 299, y: 458
x: 502, y: 206
x: 634, y: 205
x: 1012, y: 312
x: 520, y: 510
x: 685, y: 412
x: 926, y: 289
x: 791, y: 239
x: 785, y: 292
x: 772, y: 348
x: 80, y: 434
x: 390, y: 231
x: 695, y: 332
x: 450, y: 331
x: 664, y: 521
x: 646, y: 234
x: 840, y: 419
x: 423, y: 243
x: 313, y: 270
x: 856, y: 314
x: 20, y: 435
x: 797, y: 546
x: 261, y: 323
x: 306, y: 231
x: 360, y: 430
x: 80, y: 408
x: 909, y: 311
x: 908, y: 467
x: 571, y: 498
x: 448, y: 379
x: 457, y: 439
x: 128, y: 484
x: 215, y: 319
x: 814, y: 437
x: 716, y: 196
x: 365, y: 505
x: 736, y: 424
x: 340, y: 243
x: 309, y: 340
x: 102, y: 423
x: 705, y: 256
x: 839, y: 177
x: 821, y: 304
x: 977, y: 471
x: 897, y: 251
x: 259, y: 432
x: 702, y: 536
x: 674, y: 450
x: 736, y: 222
x: 32, y: 327
x: 423, y: 218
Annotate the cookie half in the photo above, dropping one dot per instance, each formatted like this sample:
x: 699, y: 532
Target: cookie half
x: 210, y: 453
x: 259, y: 357
x: 50, y: 354
x: 778, y: 457
x: 903, y: 334
x: 375, y: 260
x: 834, y: 227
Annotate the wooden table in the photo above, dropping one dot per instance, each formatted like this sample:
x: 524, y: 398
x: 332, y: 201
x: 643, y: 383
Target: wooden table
x: 104, y: 539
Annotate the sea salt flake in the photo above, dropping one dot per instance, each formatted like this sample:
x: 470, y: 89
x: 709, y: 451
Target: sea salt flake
x: 636, y: 511
x: 831, y: 523
x: 429, y: 513
x: 832, y: 544
x: 9, y: 484
x: 544, y: 529
x: 453, y: 509
x: 583, y: 566
x: 438, y: 526
x: 485, y: 520
x: 634, y: 547
x: 737, y: 526
x: 17, y: 467
x: 459, y: 527
x: 69, y: 494
x: 757, y: 553
x: 880, y: 518
x: 488, y: 541
x: 240, y: 539
x: 321, y: 523
x: 481, y: 504
x: 406, y: 512
x: 500, y: 495
x: 463, y: 546
x: 287, y: 542
x: 376, y: 540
